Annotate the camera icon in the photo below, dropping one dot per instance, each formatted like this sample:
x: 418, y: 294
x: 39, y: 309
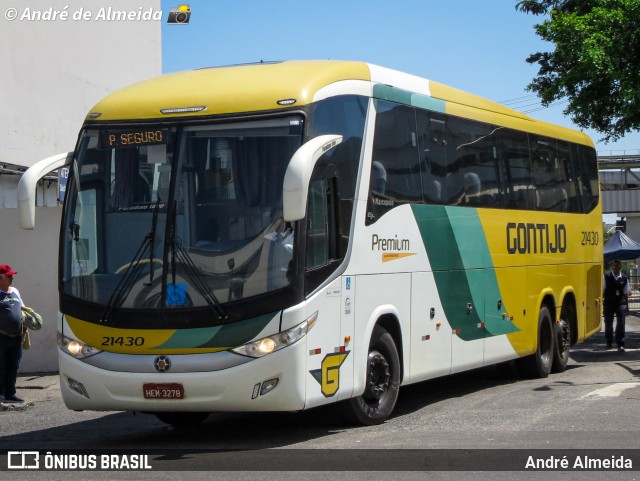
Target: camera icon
x: 180, y: 15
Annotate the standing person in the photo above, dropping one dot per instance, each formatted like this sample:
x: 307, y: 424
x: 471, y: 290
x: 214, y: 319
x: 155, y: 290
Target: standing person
x: 616, y: 293
x: 11, y: 330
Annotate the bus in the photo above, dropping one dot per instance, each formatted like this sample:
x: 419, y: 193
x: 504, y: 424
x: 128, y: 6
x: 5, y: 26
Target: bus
x: 281, y: 236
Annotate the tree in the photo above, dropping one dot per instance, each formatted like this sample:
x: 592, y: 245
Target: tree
x: 595, y: 63
x: 539, y: 7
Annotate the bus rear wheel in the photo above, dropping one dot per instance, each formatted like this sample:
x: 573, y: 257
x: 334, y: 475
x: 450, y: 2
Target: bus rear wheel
x: 539, y: 364
x: 182, y: 419
x: 562, y: 339
x: 376, y: 404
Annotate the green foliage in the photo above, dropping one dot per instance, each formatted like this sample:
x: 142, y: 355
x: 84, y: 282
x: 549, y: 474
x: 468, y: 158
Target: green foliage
x: 539, y: 7
x: 595, y: 62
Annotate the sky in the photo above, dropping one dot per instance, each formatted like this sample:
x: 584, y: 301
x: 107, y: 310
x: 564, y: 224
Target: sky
x: 473, y: 45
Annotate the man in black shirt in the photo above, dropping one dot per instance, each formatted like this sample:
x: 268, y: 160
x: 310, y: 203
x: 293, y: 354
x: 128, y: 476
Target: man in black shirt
x: 616, y: 293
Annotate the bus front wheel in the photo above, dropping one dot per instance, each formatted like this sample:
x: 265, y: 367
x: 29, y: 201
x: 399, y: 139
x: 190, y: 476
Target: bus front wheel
x: 379, y: 398
x: 538, y: 365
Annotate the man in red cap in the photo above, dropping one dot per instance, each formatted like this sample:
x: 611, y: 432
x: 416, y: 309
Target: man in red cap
x: 11, y: 330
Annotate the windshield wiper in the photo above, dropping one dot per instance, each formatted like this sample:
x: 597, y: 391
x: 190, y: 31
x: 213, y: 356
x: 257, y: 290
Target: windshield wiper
x: 154, y: 224
x: 124, y: 286
x: 180, y: 255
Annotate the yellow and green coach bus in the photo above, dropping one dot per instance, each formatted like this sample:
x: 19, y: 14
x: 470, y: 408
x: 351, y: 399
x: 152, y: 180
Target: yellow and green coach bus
x: 280, y: 236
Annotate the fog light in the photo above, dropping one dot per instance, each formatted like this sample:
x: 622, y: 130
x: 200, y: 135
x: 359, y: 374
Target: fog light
x: 78, y: 387
x: 268, y: 386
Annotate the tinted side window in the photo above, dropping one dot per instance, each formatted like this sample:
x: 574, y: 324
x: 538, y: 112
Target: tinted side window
x: 513, y: 152
x: 566, y: 163
x: 440, y: 163
x: 478, y: 154
x: 549, y: 177
x: 344, y: 115
x: 588, y: 177
x: 322, y: 250
x: 317, y: 225
x: 395, y: 170
x: 464, y: 162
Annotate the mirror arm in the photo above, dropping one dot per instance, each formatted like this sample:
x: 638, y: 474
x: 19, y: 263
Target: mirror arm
x: 298, y: 175
x: 28, y: 182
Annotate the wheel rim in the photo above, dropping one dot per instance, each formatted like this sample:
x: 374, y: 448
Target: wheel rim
x: 545, y: 345
x: 378, y: 378
x: 564, y: 337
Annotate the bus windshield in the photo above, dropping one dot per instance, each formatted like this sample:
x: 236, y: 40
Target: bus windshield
x: 160, y: 217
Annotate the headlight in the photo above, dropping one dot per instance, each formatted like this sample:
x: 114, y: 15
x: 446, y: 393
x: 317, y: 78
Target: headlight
x: 267, y: 345
x: 75, y: 348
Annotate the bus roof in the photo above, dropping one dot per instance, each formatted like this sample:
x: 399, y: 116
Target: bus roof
x: 271, y: 86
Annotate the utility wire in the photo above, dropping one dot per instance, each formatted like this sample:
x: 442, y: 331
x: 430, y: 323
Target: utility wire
x: 541, y: 107
x: 529, y: 103
x: 517, y: 100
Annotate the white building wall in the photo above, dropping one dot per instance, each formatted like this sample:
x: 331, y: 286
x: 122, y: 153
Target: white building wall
x: 53, y: 72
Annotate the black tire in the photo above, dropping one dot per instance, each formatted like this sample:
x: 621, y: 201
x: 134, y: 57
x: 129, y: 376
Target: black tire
x: 182, y: 419
x: 376, y: 404
x: 538, y: 365
x: 562, y: 339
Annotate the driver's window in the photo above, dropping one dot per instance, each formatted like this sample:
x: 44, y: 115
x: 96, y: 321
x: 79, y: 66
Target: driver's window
x: 318, y: 225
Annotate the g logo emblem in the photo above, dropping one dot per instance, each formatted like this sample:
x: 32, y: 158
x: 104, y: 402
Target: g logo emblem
x: 162, y: 364
x: 329, y: 374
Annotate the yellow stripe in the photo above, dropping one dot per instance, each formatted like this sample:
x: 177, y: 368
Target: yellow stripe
x: 463, y: 104
x: 393, y: 256
x: 96, y: 335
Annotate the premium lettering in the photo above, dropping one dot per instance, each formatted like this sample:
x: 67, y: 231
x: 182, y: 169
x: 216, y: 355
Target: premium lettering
x: 530, y: 238
x: 389, y: 244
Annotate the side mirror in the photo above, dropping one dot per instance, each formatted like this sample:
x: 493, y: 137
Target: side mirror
x: 27, y: 186
x: 298, y: 175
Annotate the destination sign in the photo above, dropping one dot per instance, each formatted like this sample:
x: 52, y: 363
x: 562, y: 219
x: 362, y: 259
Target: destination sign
x: 113, y: 139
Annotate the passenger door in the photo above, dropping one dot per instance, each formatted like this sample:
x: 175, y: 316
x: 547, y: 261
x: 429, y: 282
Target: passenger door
x: 330, y: 365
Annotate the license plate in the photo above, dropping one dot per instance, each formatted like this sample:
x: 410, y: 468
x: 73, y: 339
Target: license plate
x: 171, y: 390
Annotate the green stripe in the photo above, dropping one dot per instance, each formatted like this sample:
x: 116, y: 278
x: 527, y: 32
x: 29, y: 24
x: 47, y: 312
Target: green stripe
x: 392, y: 94
x: 228, y: 335
x: 463, y: 270
x: 239, y: 333
x: 186, y: 338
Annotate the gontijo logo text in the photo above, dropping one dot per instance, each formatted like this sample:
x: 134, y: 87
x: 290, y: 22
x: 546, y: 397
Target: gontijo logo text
x: 533, y: 238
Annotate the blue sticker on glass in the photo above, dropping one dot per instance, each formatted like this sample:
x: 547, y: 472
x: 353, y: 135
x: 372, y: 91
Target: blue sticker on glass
x: 176, y: 294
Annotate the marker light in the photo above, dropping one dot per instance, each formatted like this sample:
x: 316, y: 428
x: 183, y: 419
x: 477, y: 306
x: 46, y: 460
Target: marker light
x: 267, y: 345
x: 183, y: 110
x: 75, y: 348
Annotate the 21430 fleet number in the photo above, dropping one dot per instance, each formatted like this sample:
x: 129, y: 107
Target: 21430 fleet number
x: 590, y: 238
x: 127, y: 341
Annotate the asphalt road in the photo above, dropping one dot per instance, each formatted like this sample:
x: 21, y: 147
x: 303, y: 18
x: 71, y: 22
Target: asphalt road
x: 468, y: 426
